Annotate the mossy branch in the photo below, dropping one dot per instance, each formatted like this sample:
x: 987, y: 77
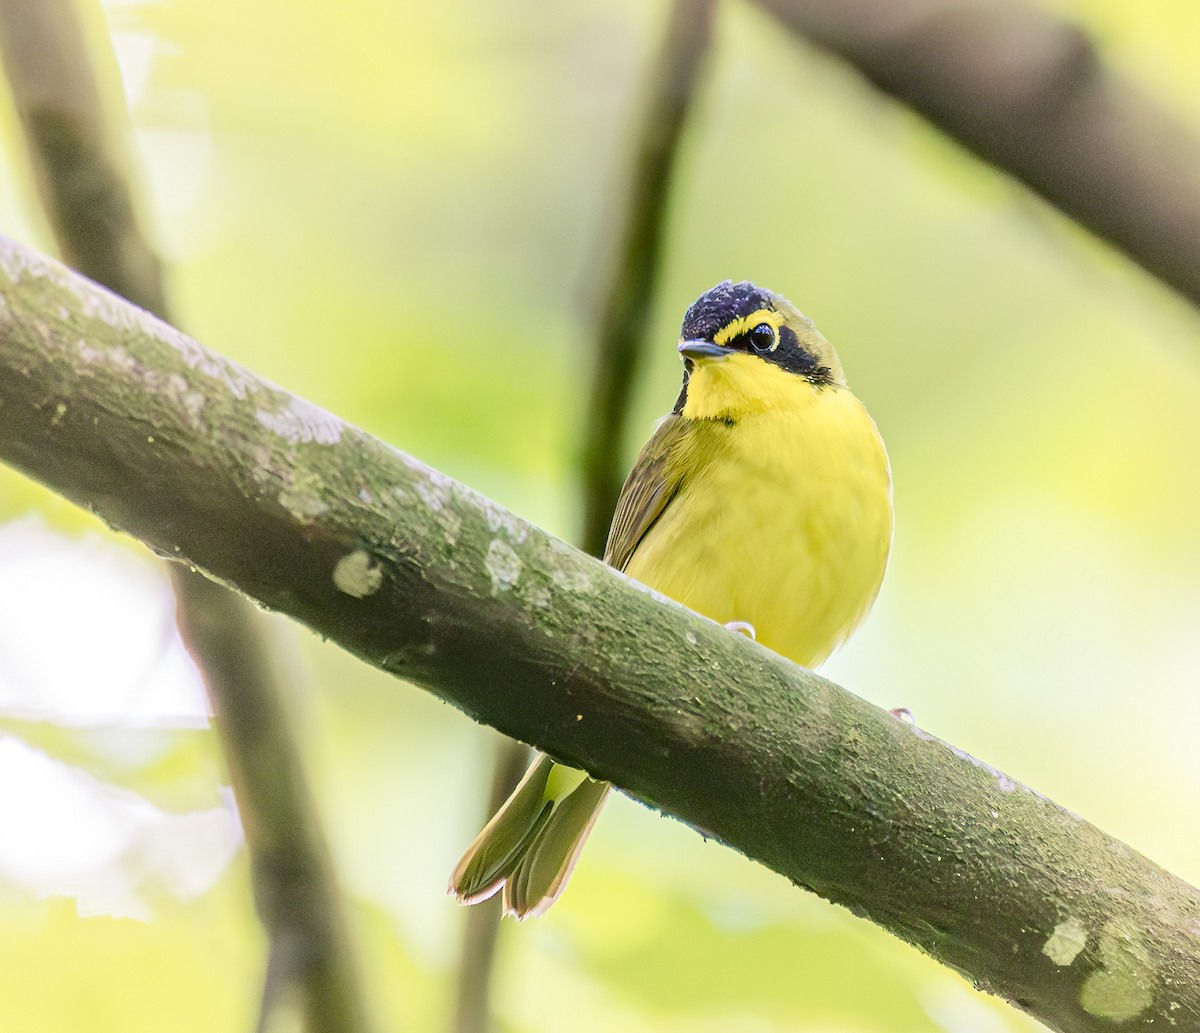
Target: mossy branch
x: 79, y: 156
x: 630, y: 274
x: 423, y: 577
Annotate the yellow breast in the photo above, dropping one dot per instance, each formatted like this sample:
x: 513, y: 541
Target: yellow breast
x: 784, y: 517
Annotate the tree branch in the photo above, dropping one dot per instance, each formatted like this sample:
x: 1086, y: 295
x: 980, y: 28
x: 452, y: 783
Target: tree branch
x: 634, y: 264
x: 79, y: 164
x: 424, y: 578
x: 79, y: 161
x: 311, y: 957
x: 1028, y: 92
x: 620, y: 339
x: 619, y: 346
x: 481, y: 924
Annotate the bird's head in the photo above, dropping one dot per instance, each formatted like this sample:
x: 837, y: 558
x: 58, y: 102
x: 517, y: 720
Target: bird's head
x: 746, y: 349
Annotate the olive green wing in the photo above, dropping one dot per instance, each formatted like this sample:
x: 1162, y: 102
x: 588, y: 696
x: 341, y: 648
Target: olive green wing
x: 654, y: 480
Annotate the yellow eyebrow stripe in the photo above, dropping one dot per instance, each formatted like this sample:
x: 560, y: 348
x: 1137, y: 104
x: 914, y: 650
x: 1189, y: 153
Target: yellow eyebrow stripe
x: 746, y: 323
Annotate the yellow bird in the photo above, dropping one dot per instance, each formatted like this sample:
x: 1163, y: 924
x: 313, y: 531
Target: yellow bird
x: 763, y: 501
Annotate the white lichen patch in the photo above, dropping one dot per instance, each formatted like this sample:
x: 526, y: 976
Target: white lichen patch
x: 240, y: 382
x: 436, y: 490
x: 572, y: 579
x: 18, y: 261
x: 433, y: 488
x: 538, y: 597
x: 1068, y: 939
x: 97, y: 304
x: 303, y: 505
x: 356, y: 574
x: 449, y: 501
x: 503, y: 565
x: 173, y: 386
x: 189, y: 400
x: 114, y: 311
x: 500, y: 519
x: 87, y: 353
x: 300, y: 423
x: 568, y: 569
x: 1124, y: 984
x: 118, y: 358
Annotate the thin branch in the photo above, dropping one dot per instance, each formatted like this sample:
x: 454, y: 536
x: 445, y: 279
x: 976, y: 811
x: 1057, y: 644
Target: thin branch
x: 1029, y: 93
x: 80, y: 165
x: 295, y: 889
x: 423, y: 577
x: 79, y: 160
x: 620, y: 343
x: 635, y: 262
x: 477, y: 962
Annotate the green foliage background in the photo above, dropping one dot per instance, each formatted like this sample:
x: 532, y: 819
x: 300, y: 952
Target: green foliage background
x: 396, y: 210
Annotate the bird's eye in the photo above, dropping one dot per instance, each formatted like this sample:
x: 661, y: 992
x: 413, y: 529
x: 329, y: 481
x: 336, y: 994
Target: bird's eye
x: 762, y: 337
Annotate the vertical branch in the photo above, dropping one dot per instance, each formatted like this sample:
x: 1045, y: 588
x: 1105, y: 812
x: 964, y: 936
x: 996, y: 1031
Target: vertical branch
x: 477, y: 963
x: 311, y: 958
x: 620, y: 339
x: 633, y: 267
x: 80, y: 165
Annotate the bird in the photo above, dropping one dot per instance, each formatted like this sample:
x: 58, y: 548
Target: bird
x: 762, y: 501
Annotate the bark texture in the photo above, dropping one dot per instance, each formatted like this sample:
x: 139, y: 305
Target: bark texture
x: 80, y: 157
x: 425, y: 578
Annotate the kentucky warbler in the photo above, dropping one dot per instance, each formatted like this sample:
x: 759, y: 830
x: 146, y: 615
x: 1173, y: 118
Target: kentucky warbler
x: 764, y: 498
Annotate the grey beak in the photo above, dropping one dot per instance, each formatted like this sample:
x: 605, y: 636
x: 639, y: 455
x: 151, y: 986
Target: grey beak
x: 702, y: 350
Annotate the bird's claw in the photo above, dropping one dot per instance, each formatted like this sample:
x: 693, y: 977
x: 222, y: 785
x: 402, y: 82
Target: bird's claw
x: 743, y: 628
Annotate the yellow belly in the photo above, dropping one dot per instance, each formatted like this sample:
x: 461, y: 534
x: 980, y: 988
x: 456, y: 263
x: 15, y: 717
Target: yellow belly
x: 784, y: 521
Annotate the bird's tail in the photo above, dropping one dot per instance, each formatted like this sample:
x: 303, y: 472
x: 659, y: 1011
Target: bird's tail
x: 531, y: 845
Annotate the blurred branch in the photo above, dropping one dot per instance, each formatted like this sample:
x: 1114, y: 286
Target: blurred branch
x: 424, y: 578
x: 295, y: 888
x: 481, y: 923
x: 80, y: 166
x: 634, y: 265
x: 620, y: 343
x: 1028, y: 92
x: 79, y: 162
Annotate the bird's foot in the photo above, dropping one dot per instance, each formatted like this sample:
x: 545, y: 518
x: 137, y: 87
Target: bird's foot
x: 903, y: 714
x: 743, y: 628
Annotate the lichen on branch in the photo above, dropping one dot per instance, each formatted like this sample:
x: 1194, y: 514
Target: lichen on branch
x: 424, y: 577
